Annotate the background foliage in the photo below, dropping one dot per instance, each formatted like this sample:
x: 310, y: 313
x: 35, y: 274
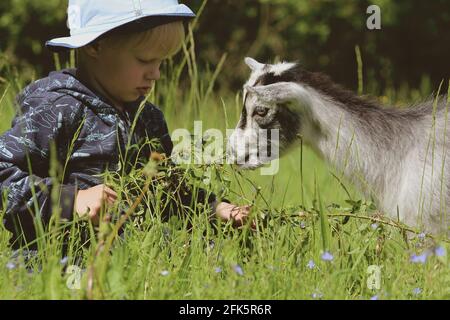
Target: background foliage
x: 413, y: 45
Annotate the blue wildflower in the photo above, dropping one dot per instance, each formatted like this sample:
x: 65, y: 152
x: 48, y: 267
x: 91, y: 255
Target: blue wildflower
x: 326, y: 256
x: 238, y: 269
x: 64, y: 260
x: 374, y: 226
x: 421, y: 236
x: 303, y: 225
x: 375, y: 297
x: 311, y: 264
x: 422, y: 258
x: 417, y: 291
x: 317, y: 295
x: 439, y: 251
x: 218, y: 270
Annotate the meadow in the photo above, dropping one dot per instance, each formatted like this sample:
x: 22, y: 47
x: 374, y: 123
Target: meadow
x: 316, y: 237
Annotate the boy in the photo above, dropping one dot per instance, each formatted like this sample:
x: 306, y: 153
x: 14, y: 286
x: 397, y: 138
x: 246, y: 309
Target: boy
x: 120, y: 46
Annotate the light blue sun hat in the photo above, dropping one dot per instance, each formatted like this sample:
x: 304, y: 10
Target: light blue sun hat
x: 89, y: 19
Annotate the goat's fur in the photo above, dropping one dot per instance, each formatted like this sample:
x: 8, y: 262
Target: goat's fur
x: 399, y: 156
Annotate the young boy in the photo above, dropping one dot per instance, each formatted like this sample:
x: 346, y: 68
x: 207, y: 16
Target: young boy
x: 120, y: 45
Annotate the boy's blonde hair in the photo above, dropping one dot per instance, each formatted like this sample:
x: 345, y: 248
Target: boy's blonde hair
x: 165, y: 39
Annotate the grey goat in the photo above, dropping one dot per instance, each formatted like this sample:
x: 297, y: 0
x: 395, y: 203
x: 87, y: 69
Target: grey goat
x: 397, y: 155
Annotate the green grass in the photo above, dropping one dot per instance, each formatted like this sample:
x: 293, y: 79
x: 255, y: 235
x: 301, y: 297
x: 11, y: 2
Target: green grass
x: 300, y: 213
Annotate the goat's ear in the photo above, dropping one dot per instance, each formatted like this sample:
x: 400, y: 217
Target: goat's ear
x: 250, y: 89
x: 253, y: 64
x: 279, y: 92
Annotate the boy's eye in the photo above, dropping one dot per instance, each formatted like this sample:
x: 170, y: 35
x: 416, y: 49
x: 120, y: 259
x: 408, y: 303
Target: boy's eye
x: 147, y: 61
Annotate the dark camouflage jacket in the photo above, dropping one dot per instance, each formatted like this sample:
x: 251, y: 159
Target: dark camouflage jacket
x: 52, y: 109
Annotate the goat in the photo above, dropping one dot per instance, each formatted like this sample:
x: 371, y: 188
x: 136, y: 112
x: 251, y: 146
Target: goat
x: 397, y: 155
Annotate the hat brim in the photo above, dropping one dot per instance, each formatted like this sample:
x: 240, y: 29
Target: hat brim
x: 139, y: 24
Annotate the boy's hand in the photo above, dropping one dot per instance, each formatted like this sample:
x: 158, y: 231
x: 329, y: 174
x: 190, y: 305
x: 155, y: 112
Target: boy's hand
x: 228, y: 211
x: 91, y: 201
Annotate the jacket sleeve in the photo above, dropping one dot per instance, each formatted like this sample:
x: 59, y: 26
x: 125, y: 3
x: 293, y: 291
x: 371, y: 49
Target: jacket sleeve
x: 24, y: 169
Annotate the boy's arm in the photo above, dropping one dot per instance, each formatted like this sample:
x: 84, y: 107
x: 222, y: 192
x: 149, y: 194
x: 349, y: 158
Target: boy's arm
x: 24, y: 168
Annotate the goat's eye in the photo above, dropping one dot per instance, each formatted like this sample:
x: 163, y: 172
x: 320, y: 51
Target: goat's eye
x: 261, y: 111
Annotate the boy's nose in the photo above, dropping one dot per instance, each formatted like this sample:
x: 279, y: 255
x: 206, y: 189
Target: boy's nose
x: 154, y: 74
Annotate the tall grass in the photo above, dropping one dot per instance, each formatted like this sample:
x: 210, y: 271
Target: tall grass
x: 301, y: 213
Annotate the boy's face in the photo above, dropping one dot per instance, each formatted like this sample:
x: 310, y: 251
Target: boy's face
x: 125, y: 73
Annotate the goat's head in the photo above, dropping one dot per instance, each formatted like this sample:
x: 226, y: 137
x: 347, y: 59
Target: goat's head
x: 276, y: 112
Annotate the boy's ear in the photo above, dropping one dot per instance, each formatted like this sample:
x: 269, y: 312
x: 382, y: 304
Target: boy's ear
x: 93, y: 49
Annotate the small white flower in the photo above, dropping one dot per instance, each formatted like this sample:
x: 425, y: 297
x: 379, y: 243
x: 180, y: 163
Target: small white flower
x: 164, y: 273
x: 10, y: 265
